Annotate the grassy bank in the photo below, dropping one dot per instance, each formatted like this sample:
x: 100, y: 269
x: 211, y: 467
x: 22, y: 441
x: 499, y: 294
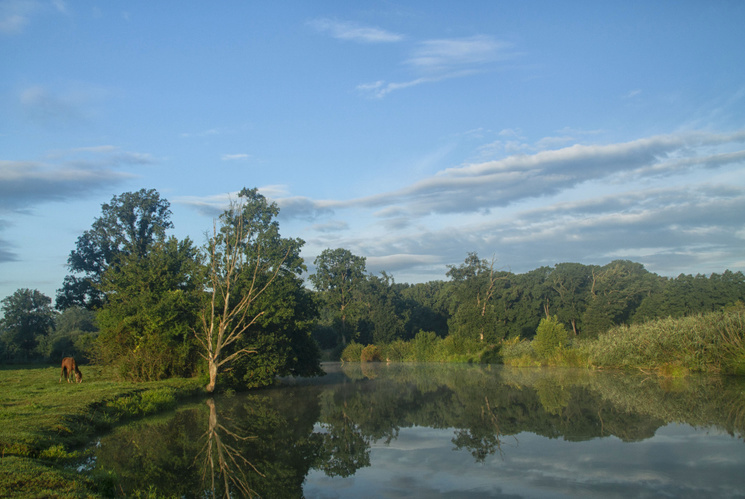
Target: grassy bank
x: 705, y: 343
x: 45, y: 424
x: 713, y: 343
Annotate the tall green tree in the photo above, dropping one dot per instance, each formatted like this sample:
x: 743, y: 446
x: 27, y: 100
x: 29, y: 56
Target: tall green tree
x: 383, y: 317
x: 128, y: 226
x: 339, y: 274
x: 569, y: 292
x: 474, y: 308
x: 147, y: 321
x: 616, y: 289
x: 28, y: 316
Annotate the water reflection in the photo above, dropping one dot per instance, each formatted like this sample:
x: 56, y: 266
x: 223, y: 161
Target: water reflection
x: 371, y: 430
x: 224, y: 467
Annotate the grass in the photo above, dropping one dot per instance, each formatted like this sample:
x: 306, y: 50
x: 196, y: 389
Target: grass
x: 711, y: 343
x: 44, y: 424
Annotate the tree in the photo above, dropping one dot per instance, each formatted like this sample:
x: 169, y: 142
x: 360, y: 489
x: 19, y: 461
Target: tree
x: 616, y: 290
x: 74, y: 334
x: 27, y: 317
x: 383, y: 319
x: 245, y: 257
x: 153, y: 300
x: 569, y: 284
x: 475, y: 313
x: 338, y: 275
x: 129, y: 225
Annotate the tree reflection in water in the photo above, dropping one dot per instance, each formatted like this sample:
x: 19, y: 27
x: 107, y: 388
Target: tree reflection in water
x: 266, y: 443
x: 223, y: 459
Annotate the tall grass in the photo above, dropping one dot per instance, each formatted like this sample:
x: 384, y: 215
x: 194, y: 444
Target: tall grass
x: 712, y: 342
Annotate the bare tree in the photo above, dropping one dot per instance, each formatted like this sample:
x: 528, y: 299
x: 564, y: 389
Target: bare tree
x: 227, y: 316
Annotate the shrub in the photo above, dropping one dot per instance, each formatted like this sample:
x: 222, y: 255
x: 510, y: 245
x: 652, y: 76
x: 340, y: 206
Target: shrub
x: 550, y: 335
x: 371, y: 353
x: 352, y: 353
x: 425, y: 346
x: 398, y: 351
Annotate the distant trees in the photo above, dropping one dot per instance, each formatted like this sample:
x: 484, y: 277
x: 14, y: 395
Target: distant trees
x: 476, y: 286
x: 339, y: 274
x: 28, y: 317
x: 481, y: 302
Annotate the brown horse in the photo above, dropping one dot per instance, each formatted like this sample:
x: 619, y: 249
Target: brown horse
x: 68, y: 368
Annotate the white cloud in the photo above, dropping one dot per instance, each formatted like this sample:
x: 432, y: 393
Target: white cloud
x: 447, y: 54
x: 234, y: 157
x: 436, y: 60
x: 15, y: 15
x: 350, y: 31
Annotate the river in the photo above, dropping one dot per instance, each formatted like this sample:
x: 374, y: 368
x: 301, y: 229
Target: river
x: 401, y: 430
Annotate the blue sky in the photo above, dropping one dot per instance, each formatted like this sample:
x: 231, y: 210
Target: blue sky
x: 407, y: 132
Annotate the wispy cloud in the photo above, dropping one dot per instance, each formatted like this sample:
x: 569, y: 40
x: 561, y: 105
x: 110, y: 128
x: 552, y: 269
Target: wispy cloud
x: 234, y: 157
x: 16, y: 15
x: 349, y: 31
x: 436, y: 60
x: 64, y: 175
x: 445, y: 55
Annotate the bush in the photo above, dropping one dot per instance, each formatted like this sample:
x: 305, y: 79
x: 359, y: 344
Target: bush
x: 352, y: 353
x: 370, y: 353
x: 550, y: 336
x: 425, y: 346
x: 398, y: 351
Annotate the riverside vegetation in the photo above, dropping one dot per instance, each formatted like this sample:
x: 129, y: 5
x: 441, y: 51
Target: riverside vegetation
x: 705, y: 343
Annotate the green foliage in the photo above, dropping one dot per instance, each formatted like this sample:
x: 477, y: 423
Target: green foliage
x: 28, y: 318
x: 477, y: 287
x: 550, y: 336
x: 371, y: 353
x: 338, y: 277
x: 352, y: 352
x: 146, y: 324
x: 128, y: 227
x: 424, y: 346
x: 74, y: 335
x: 269, y: 316
x: 398, y: 351
x: 713, y: 342
x: 142, y: 403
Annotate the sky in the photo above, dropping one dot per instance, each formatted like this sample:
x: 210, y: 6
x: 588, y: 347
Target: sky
x: 408, y: 132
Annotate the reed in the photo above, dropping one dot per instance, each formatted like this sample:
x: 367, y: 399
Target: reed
x: 712, y: 342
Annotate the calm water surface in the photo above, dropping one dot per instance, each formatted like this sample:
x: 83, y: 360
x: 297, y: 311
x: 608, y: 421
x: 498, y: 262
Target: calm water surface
x: 445, y: 431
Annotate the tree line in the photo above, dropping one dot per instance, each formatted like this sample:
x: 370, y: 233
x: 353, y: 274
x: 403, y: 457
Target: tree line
x: 482, y: 303
x: 155, y: 307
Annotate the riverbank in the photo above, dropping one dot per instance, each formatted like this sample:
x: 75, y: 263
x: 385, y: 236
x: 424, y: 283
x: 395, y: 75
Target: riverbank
x: 44, y: 424
x: 712, y: 343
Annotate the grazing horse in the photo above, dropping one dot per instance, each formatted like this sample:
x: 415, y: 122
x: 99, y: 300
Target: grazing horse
x: 68, y: 368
